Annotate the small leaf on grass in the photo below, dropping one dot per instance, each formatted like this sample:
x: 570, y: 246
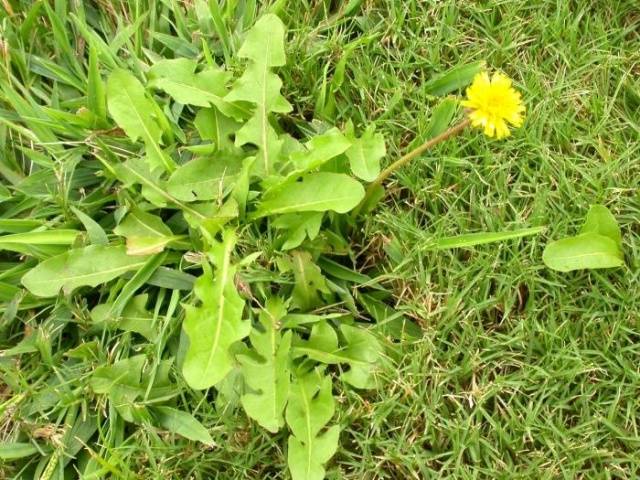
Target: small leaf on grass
x: 365, y: 154
x: 83, y: 428
x: 311, y: 406
x: 88, y: 266
x: 454, y: 79
x: 205, y: 178
x: 181, y: 423
x: 601, y: 221
x: 599, y: 245
x: 314, y: 192
x: 178, y: 45
x: 585, y: 251
x: 216, y: 324
x: 268, y: 375
x: 480, y: 238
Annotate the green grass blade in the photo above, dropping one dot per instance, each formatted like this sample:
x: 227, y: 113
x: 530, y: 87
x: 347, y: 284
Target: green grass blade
x: 473, y: 239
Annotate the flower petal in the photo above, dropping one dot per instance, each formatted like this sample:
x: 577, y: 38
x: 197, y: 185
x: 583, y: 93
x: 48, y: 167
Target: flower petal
x: 494, y: 104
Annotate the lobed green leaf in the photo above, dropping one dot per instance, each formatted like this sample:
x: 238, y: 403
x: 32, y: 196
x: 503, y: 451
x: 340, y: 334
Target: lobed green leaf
x: 216, y: 324
x: 268, y: 375
x: 311, y: 406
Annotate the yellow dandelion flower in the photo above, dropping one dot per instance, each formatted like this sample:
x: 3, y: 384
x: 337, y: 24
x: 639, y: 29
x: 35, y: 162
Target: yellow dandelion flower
x: 494, y: 103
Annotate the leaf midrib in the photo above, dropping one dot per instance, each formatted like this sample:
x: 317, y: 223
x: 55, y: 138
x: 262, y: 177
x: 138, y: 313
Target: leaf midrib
x: 147, y: 138
x: 307, y: 412
x: 224, y: 273
x: 587, y: 255
x: 274, y: 366
x: 263, y: 108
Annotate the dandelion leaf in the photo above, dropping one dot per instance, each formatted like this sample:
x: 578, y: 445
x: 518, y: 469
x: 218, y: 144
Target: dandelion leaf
x: 264, y: 48
x: 267, y: 373
x: 216, y: 323
x: 311, y: 406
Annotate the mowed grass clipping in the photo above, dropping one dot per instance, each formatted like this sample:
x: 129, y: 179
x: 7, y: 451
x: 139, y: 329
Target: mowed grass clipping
x: 521, y: 372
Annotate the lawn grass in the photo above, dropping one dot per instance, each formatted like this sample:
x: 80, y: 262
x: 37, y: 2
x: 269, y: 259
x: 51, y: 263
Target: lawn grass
x: 521, y: 372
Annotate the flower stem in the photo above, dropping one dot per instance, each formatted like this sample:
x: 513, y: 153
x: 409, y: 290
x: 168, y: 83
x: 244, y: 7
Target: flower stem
x: 402, y: 161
